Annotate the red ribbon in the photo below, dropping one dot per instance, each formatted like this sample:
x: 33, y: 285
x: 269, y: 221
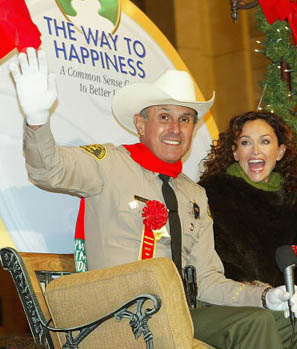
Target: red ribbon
x: 148, y: 244
x: 80, y: 222
x: 155, y: 217
x: 281, y: 9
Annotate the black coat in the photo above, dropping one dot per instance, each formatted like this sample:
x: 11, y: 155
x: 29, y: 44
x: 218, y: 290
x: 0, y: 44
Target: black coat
x: 249, y: 224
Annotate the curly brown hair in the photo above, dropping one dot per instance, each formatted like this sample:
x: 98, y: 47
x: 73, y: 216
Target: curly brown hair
x: 221, y: 157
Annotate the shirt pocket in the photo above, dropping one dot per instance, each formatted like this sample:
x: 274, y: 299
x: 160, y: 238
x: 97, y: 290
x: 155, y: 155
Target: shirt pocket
x: 130, y: 212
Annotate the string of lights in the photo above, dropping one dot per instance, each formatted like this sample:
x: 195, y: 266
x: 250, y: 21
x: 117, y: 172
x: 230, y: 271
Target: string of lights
x: 280, y: 80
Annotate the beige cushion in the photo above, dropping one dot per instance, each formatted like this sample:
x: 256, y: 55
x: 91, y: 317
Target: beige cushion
x: 84, y: 297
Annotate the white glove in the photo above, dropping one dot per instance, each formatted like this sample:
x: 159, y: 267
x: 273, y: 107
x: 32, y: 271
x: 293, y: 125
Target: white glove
x: 277, y: 299
x: 36, y: 88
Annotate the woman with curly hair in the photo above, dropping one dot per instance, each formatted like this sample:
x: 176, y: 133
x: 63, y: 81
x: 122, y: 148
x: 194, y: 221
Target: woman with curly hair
x: 250, y: 178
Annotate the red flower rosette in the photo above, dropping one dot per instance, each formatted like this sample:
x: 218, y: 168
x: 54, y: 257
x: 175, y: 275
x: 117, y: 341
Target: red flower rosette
x: 155, y: 215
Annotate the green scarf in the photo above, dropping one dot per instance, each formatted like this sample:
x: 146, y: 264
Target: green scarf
x: 274, y: 184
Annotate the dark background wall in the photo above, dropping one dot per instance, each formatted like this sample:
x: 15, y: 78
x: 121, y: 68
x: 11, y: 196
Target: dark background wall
x: 219, y: 53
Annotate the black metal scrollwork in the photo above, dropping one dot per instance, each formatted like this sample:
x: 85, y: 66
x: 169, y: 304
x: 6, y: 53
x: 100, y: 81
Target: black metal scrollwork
x: 139, y: 321
x: 12, y: 263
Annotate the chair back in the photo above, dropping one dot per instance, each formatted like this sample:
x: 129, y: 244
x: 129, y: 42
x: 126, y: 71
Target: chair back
x: 84, y: 297
x: 31, y: 273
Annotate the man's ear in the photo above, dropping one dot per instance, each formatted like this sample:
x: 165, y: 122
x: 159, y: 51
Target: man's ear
x: 139, y: 123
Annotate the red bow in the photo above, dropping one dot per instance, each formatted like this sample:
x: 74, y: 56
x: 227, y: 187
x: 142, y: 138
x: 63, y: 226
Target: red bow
x: 281, y: 9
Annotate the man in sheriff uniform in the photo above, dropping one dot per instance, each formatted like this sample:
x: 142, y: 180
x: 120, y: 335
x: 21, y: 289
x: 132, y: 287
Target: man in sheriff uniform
x: 118, y: 182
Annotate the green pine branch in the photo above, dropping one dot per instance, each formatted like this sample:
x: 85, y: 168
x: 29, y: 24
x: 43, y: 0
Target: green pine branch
x: 277, y: 47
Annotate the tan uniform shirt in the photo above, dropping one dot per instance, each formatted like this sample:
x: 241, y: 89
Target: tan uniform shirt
x: 108, y: 178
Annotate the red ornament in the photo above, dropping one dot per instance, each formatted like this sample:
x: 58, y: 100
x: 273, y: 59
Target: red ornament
x: 294, y: 248
x: 155, y: 215
x: 281, y: 9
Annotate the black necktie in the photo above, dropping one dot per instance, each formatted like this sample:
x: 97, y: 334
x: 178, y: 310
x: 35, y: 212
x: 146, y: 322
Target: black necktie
x: 174, y: 221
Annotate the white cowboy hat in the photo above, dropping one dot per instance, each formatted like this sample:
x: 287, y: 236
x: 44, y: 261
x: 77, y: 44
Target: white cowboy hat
x: 173, y: 87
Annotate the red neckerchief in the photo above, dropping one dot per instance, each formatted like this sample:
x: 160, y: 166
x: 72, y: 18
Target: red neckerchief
x: 145, y: 158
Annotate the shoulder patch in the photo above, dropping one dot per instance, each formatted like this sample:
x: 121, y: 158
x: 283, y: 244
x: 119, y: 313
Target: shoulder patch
x: 97, y: 150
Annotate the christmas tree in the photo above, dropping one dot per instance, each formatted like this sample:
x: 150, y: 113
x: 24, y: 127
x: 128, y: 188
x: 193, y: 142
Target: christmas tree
x: 280, y: 81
